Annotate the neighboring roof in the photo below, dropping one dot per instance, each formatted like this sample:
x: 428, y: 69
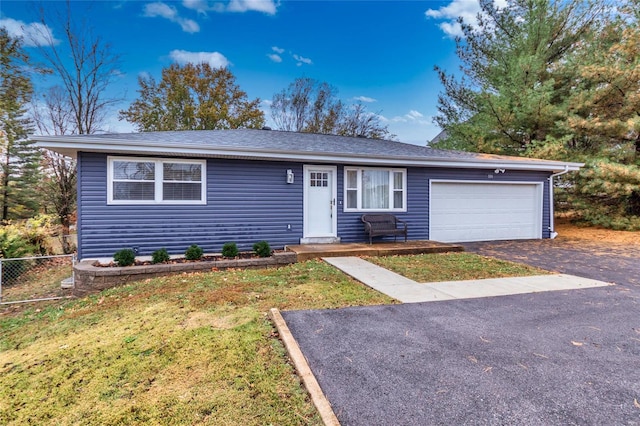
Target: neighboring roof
x: 440, y: 136
x: 286, y: 146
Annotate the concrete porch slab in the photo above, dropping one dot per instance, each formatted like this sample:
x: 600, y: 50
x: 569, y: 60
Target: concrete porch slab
x: 315, y: 251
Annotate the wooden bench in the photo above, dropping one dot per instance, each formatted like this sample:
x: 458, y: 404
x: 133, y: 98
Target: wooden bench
x: 381, y: 224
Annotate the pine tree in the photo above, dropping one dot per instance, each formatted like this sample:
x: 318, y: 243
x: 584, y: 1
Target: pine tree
x: 603, y: 121
x: 558, y: 80
x: 19, y: 159
x: 509, y: 95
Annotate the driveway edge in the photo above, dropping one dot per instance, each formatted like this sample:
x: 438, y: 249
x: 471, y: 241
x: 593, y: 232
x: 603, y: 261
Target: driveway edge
x: 304, y: 371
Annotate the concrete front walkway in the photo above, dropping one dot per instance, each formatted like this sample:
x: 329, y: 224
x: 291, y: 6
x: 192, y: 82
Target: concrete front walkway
x: 409, y: 291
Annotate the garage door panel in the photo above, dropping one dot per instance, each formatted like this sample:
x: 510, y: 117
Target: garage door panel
x: 485, y: 211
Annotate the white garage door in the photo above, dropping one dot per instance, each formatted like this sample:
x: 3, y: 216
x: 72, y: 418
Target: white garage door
x: 485, y: 211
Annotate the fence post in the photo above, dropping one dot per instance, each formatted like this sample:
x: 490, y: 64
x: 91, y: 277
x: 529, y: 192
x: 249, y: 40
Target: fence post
x: 0, y: 280
x: 73, y: 270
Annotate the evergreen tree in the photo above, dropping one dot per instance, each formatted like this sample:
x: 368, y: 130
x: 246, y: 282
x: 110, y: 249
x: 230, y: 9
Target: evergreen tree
x: 510, y: 91
x: 192, y: 97
x: 557, y: 80
x: 19, y: 159
x: 601, y: 123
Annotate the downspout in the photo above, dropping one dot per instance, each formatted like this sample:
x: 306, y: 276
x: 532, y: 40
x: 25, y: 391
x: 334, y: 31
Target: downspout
x: 551, y: 210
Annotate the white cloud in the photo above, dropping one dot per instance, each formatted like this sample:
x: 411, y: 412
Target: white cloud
x: 414, y: 115
x: 203, y: 6
x: 215, y: 59
x: 301, y: 60
x: 33, y: 34
x: 466, y: 9
x: 413, y: 127
x: 159, y: 9
x: 452, y: 29
x: 200, y: 6
x: 277, y: 50
x: 264, y: 6
x: 364, y: 99
x: 275, y: 57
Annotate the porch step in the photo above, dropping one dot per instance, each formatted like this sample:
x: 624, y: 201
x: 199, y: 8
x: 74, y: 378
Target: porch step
x: 315, y: 251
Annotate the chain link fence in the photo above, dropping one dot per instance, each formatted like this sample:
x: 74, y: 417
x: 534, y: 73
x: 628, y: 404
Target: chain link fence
x: 33, y: 279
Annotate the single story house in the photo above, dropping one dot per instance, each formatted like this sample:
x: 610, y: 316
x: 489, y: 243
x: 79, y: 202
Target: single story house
x: 173, y: 189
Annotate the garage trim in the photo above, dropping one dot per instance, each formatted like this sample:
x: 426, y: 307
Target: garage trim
x: 539, y: 201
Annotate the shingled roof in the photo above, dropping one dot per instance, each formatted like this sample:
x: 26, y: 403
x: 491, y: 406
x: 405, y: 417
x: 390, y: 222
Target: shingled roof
x: 288, y: 146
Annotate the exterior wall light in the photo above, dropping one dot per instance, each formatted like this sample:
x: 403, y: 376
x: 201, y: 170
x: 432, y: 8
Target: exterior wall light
x: 290, y: 176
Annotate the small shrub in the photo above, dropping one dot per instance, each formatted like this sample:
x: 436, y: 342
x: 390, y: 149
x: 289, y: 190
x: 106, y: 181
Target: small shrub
x: 229, y: 250
x: 262, y: 249
x: 160, y: 256
x: 13, y: 245
x: 193, y: 252
x: 39, y: 232
x: 124, y: 257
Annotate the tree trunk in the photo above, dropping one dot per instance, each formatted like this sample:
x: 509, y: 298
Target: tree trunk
x: 5, y: 188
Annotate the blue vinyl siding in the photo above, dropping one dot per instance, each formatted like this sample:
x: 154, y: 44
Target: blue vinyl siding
x: 247, y: 201
x: 350, y: 227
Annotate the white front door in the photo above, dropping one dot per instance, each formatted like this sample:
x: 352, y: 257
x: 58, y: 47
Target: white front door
x: 320, y: 210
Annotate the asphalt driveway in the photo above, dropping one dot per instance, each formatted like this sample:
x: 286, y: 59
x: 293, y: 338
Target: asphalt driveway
x: 604, y: 261
x: 556, y: 358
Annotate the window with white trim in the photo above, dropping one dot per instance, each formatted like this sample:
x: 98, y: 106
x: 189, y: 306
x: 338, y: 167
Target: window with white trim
x: 375, y: 189
x: 156, y: 181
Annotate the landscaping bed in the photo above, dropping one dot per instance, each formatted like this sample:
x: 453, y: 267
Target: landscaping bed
x: 210, y: 258
x: 92, y: 277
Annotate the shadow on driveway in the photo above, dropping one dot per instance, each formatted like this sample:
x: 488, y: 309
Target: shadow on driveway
x: 555, y: 358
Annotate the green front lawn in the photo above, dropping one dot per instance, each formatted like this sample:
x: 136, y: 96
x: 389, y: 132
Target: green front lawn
x: 186, y: 349
x: 192, y: 348
x: 458, y: 266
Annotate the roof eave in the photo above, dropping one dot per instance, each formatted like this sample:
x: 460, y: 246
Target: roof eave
x: 71, y: 148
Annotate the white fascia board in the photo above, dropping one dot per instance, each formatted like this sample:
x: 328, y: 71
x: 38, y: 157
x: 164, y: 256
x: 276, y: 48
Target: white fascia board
x: 185, y: 150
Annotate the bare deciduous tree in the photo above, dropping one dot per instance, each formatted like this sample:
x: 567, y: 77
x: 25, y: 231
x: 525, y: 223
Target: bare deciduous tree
x: 307, y: 105
x: 85, y: 66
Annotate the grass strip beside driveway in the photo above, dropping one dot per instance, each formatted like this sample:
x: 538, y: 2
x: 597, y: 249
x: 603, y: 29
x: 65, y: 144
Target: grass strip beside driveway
x: 436, y: 267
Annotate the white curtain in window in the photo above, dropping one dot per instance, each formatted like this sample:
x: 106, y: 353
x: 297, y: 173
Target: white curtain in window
x: 375, y: 189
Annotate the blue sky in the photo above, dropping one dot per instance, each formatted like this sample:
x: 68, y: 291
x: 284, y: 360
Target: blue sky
x: 381, y: 53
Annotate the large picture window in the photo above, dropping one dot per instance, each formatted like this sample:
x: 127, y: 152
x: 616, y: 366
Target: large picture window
x: 153, y: 181
x: 369, y: 189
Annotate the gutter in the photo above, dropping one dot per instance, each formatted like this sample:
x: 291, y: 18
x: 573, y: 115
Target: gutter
x: 554, y: 234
